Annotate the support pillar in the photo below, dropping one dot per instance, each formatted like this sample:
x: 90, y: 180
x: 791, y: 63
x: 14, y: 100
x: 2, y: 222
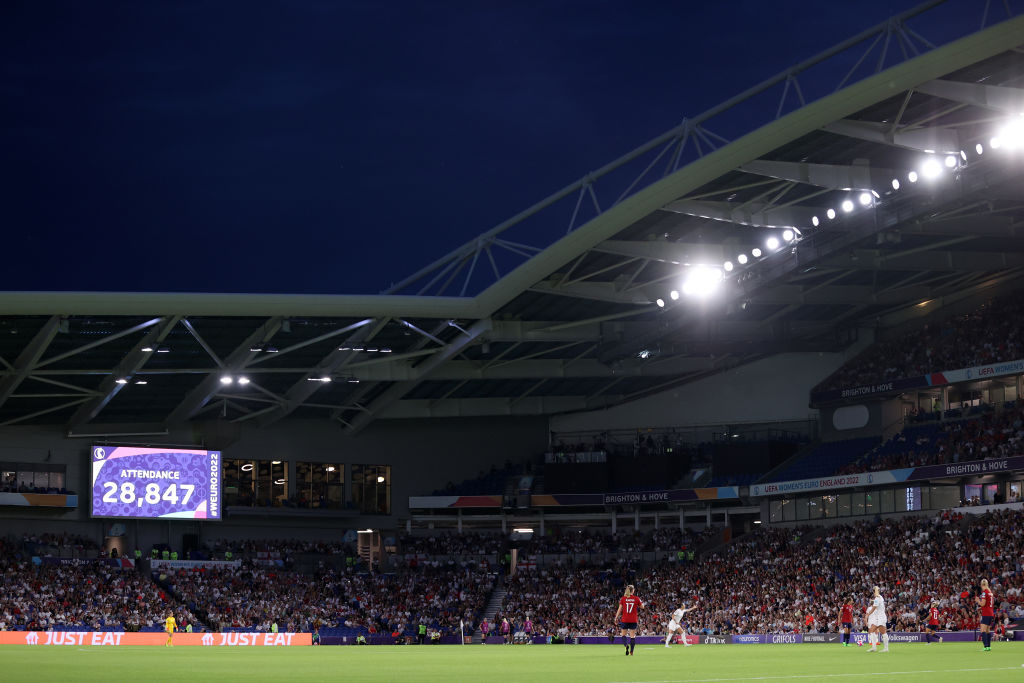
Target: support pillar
x: 615, y: 523
x: 636, y: 519
x: 708, y: 522
x: 458, y: 520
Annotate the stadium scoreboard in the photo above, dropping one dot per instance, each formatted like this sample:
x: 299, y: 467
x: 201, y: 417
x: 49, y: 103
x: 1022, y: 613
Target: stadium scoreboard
x: 156, y: 483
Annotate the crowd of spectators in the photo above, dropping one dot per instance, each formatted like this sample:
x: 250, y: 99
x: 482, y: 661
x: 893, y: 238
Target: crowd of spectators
x: 774, y: 579
x: 252, y: 598
x: 80, y: 595
x: 992, y: 333
x: 991, y: 435
x: 467, y: 543
x: 249, y: 547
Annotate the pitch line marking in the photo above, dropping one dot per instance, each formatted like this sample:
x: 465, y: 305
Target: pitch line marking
x: 849, y: 675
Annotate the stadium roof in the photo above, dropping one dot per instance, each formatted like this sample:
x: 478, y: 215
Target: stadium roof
x: 556, y: 309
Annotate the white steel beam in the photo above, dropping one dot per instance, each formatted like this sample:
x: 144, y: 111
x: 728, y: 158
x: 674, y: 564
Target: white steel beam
x: 997, y: 97
x: 28, y: 358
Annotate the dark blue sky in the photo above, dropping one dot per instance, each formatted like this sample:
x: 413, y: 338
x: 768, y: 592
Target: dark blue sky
x: 335, y: 147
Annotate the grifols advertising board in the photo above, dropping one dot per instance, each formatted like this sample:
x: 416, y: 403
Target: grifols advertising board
x: 87, y: 638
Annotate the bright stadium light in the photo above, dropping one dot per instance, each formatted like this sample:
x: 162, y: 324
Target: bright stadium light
x: 701, y: 281
x: 243, y: 380
x: 814, y: 221
x: 931, y: 169
x: 831, y: 213
x: 660, y: 302
x: 864, y: 198
x: 1011, y: 136
x: 788, y: 235
x: 979, y: 148
x: 895, y: 183
x: 772, y: 243
x: 755, y: 252
x: 674, y: 295
x: 950, y: 161
x: 742, y: 258
x: 227, y: 379
x: 847, y: 206
x: 995, y: 143
x: 121, y: 380
x: 728, y: 266
x: 912, y: 176
x: 963, y: 155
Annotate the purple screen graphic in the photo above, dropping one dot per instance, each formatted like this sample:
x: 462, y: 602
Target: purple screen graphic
x: 145, y: 483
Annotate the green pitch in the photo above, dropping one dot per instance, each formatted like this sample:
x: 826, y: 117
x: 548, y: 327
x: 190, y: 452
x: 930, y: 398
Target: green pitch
x: 452, y: 663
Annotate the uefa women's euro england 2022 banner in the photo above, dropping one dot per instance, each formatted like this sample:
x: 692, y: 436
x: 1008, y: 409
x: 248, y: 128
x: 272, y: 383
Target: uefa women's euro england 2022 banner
x: 165, y: 483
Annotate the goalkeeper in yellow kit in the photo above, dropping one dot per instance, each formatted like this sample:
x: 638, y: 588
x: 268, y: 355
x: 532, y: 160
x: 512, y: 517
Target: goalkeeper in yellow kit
x: 170, y: 625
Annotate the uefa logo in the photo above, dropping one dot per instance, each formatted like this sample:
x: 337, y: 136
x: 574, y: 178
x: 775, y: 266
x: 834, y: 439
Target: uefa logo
x: 99, y: 453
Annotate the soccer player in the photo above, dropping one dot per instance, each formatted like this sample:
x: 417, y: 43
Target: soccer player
x: 876, y: 622
x: 846, y: 620
x: 987, y: 603
x: 626, y: 617
x: 933, y: 623
x: 675, y: 624
x: 169, y: 625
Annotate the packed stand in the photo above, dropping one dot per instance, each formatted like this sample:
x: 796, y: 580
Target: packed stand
x: 86, y: 595
x: 990, y: 334
x: 992, y: 435
x: 776, y: 581
x: 451, y: 544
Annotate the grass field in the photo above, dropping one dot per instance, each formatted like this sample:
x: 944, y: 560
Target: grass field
x: 482, y: 663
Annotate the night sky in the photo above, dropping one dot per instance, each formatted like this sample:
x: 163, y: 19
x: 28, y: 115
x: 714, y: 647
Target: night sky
x: 336, y: 147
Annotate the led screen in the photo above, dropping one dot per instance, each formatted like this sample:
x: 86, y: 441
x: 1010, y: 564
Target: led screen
x: 147, y: 483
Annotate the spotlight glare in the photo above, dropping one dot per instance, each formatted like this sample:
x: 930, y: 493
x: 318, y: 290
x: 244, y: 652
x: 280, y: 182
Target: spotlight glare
x: 912, y: 176
x: 226, y: 379
x: 1012, y: 135
x: 742, y: 258
x: 121, y: 380
x: 931, y: 169
x: 728, y: 266
x: 814, y: 221
x: 674, y: 295
x: 995, y: 143
x: 963, y: 155
x: 864, y: 199
x: 847, y: 206
x: 950, y: 161
x: 243, y: 380
x: 979, y: 148
x: 788, y: 235
x: 701, y: 281
x: 895, y: 183
x: 831, y: 213
x: 772, y: 243
x: 755, y: 252
x: 660, y: 302
x: 147, y: 349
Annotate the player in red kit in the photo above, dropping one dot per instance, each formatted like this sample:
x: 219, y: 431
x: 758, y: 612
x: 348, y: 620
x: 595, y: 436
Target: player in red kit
x: 846, y: 620
x: 627, y: 616
x: 933, y: 623
x: 987, y: 603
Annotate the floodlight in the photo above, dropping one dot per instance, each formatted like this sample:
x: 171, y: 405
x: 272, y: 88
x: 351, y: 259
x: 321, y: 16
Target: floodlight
x: 226, y: 379
x: 147, y: 349
x: 912, y: 176
x: 788, y: 235
x: 931, y: 169
x: 660, y: 302
x: 831, y: 213
x: 674, y: 295
x: 380, y: 479
x: 121, y: 380
x: 995, y: 143
x: 772, y: 243
x: 979, y: 149
x: 742, y: 258
x: 243, y: 380
x: 1012, y: 135
x: 963, y: 155
x: 701, y: 281
x: 814, y: 221
x: 755, y: 252
x: 864, y: 198
x: 895, y: 183
x: 847, y: 206
x: 141, y: 382
x: 950, y: 161
x: 728, y: 266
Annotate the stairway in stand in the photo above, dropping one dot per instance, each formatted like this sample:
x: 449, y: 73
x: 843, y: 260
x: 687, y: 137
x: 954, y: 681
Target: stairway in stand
x: 493, y: 607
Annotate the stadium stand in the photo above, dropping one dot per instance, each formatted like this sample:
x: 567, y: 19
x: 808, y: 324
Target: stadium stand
x: 825, y: 458
x: 989, y: 334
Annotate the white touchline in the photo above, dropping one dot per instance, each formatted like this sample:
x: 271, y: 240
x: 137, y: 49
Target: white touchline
x: 798, y: 676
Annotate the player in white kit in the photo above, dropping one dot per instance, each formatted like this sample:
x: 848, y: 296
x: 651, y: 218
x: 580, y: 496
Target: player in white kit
x: 876, y: 623
x: 675, y: 624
